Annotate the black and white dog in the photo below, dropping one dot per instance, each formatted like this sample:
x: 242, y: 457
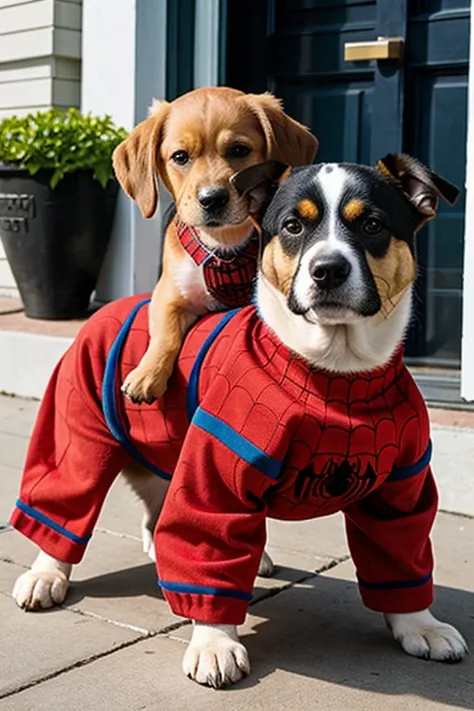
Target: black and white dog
x: 323, y: 348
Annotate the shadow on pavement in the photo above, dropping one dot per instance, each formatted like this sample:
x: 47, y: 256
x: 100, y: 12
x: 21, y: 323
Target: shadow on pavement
x: 320, y: 629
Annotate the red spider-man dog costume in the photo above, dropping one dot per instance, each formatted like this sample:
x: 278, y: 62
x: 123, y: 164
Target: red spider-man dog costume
x: 267, y: 437
x: 249, y: 429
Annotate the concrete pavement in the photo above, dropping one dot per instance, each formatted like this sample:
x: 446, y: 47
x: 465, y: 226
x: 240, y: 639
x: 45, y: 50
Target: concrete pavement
x: 115, y: 644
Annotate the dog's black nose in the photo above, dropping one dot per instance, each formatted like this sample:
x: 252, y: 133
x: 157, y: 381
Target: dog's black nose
x: 330, y: 272
x: 213, y: 199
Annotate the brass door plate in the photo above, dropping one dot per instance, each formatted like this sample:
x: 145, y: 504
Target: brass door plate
x: 381, y: 48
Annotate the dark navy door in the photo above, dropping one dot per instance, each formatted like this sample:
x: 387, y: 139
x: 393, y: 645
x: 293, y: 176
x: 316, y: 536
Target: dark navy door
x: 362, y: 109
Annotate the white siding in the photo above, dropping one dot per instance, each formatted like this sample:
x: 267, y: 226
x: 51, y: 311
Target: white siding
x: 40, y: 67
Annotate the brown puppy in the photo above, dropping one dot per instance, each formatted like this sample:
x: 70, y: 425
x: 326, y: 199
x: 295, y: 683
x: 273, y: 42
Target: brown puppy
x: 194, y: 145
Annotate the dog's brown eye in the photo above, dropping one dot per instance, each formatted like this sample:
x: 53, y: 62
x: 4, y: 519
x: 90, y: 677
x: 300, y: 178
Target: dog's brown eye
x: 239, y: 150
x: 294, y: 227
x: 180, y: 157
x: 372, y: 226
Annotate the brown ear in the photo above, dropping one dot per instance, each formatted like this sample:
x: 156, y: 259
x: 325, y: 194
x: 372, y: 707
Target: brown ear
x: 421, y: 185
x: 286, y: 140
x: 136, y: 160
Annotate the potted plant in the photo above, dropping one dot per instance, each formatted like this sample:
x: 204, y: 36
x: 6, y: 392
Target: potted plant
x: 57, y: 204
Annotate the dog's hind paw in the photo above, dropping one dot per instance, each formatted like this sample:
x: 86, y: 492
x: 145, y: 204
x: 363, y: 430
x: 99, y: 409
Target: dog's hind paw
x: 215, y: 657
x: 422, y: 635
x: 266, y: 567
x: 40, y: 590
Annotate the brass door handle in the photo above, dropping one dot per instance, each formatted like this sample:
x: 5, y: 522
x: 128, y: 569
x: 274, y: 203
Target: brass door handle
x: 381, y: 48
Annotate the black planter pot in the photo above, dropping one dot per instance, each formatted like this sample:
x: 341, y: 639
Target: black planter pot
x: 55, y: 240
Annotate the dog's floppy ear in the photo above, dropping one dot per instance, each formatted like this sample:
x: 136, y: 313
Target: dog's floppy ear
x: 259, y: 182
x: 422, y: 186
x: 286, y: 140
x: 136, y: 159
x: 260, y: 174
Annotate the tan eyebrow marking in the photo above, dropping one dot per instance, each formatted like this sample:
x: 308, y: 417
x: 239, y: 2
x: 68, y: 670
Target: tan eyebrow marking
x: 353, y: 209
x: 307, y: 209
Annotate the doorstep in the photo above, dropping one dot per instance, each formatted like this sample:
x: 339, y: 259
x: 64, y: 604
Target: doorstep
x: 30, y: 349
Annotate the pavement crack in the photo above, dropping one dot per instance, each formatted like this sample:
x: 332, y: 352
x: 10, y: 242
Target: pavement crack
x: 456, y: 514
x: 117, y: 534
x: 124, y: 625
x: 75, y: 665
x: 271, y: 592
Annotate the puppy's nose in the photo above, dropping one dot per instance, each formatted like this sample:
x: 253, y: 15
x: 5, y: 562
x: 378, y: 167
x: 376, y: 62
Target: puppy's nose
x: 330, y: 272
x: 213, y: 199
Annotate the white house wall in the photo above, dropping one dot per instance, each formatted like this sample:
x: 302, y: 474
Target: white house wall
x: 40, y: 67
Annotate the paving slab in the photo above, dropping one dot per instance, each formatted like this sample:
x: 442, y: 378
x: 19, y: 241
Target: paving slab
x: 316, y: 640
x: 17, y: 416
x: 308, y: 541
x: 453, y: 454
x: 13, y: 450
x: 34, y: 645
x: 117, y: 581
x: 9, y: 482
x: 313, y: 646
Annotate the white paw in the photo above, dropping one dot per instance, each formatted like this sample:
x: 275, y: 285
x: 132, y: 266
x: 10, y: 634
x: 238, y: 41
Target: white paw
x: 266, y: 567
x: 422, y: 635
x: 40, y: 590
x: 215, y: 657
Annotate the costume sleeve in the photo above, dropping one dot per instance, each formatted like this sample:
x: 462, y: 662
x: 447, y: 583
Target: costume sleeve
x: 389, y: 531
x: 72, y: 457
x: 211, y: 532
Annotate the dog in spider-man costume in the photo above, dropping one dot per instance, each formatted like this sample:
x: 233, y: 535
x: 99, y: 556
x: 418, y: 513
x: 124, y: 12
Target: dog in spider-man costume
x: 294, y: 408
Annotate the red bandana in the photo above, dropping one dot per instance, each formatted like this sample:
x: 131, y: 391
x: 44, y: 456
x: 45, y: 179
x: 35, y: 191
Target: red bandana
x: 230, y: 281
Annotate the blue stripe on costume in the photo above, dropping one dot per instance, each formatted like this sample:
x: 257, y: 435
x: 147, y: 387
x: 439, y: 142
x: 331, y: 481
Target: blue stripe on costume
x: 203, y: 590
x: 109, y: 396
x: 38, y: 516
x: 401, y: 473
x: 192, y: 401
x: 237, y: 443
x: 395, y: 584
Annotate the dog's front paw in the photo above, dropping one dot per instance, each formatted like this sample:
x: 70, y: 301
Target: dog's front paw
x: 215, y: 657
x: 422, y: 635
x: 40, y: 590
x: 143, y: 385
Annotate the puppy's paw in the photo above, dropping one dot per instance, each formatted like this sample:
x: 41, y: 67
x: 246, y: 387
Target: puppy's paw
x: 266, y: 567
x: 40, y: 590
x: 422, y: 635
x: 144, y: 386
x: 215, y: 657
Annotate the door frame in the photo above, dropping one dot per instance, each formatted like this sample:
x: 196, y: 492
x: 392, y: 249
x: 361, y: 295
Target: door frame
x: 467, y: 338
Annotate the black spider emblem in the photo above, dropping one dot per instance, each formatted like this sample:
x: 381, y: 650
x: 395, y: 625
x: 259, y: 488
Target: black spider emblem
x: 336, y: 479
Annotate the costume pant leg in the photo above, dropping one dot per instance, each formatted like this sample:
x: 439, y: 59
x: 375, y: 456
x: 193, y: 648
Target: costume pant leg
x: 72, y: 458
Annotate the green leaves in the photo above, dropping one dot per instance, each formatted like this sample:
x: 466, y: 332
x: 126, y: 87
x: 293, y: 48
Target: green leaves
x: 62, y: 141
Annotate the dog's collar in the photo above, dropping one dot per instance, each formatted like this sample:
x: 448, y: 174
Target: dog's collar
x: 199, y: 252
x: 228, y: 279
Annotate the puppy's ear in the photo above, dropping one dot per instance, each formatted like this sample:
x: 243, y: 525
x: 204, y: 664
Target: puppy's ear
x: 265, y: 174
x: 422, y: 186
x: 286, y: 140
x: 136, y: 159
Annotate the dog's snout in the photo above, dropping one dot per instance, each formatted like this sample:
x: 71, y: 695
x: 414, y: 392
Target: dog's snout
x: 330, y: 272
x: 213, y: 199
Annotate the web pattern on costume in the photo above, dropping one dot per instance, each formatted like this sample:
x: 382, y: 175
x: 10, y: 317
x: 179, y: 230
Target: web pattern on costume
x: 338, y: 436
x: 345, y: 432
x: 158, y: 430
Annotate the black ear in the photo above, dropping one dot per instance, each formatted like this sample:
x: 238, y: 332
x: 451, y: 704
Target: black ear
x: 421, y: 185
x: 257, y: 176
